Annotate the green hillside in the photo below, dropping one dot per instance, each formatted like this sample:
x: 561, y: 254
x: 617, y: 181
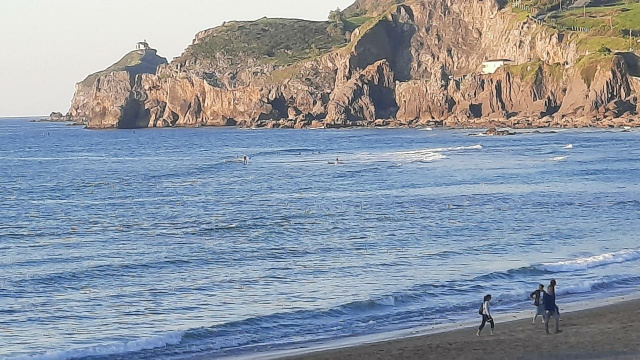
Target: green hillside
x: 279, y: 41
x: 601, y: 23
x: 135, y: 62
x: 369, y: 7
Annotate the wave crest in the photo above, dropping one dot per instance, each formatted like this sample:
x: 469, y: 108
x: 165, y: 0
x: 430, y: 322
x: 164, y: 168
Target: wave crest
x: 172, y: 338
x: 422, y: 155
x: 591, y: 261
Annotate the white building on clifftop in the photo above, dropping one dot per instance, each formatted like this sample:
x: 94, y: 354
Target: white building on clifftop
x: 142, y: 45
x: 491, y: 66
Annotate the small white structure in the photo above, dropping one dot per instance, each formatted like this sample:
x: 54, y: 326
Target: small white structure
x: 142, y: 45
x: 491, y: 66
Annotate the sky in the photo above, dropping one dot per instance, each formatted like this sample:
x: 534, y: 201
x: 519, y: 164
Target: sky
x: 47, y: 46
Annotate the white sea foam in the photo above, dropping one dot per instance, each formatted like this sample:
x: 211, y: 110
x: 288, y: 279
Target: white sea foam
x: 422, y: 155
x: 171, y: 338
x: 592, y: 261
x: 577, y: 288
x: 569, y: 147
x: 559, y: 158
x: 387, y: 301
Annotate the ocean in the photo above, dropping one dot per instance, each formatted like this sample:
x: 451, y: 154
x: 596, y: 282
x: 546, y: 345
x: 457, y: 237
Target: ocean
x: 162, y: 244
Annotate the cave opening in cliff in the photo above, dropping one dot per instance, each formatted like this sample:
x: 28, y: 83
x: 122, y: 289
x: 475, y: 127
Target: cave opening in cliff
x: 280, y: 108
x: 475, y: 110
x: 173, y: 118
x: 384, y: 101
x: 134, y: 116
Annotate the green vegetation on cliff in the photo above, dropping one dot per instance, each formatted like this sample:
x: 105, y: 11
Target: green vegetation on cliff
x: 131, y: 59
x: 594, y: 43
x: 355, y: 22
x: 135, y: 62
x: 614, y: 20
x: 529, y: 71
x: 588, y: 65
x: 370, y: 23
x: 606, y: 22
x: 369, y: 7
x: 278, y: 41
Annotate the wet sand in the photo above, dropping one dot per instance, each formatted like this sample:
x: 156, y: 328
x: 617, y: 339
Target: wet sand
x: 608, y: 332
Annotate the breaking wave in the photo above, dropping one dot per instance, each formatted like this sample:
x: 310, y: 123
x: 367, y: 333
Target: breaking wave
x: 422, y: 155
x: 559, y: 158
x: 172, y: 338
x: 591, y: 261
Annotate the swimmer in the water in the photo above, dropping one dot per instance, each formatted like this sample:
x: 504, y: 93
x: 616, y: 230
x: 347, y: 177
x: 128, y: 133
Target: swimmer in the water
x: 245, y: 160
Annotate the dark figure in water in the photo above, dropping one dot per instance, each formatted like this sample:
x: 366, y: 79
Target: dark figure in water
x: 485, y: 311
x: 245, y: 160
x: 550, y: 307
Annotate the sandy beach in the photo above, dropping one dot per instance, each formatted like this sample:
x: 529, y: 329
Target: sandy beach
x: 607, y: 332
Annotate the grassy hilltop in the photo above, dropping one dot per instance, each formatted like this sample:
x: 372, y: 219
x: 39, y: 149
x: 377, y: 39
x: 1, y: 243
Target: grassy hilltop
x: 135, y: 62
x: 280, y: 41
x: 605, y: 23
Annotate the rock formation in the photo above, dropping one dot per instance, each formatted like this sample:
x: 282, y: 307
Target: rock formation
x: 413, y: 63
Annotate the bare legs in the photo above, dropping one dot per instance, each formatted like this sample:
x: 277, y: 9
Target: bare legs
x: 485, y: 319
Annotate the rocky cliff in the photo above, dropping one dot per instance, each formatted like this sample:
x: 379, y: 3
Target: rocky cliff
x: 108, y: 99
x: 408, y: 63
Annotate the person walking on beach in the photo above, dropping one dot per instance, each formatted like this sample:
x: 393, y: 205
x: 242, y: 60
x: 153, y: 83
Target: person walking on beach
x: 538, y: 303
x: 550, y: 307
x: 485, y: 311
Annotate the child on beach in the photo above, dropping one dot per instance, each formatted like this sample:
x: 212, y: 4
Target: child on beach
x: 550, y: 307
x: 485, y: 311
x: 537, y: 302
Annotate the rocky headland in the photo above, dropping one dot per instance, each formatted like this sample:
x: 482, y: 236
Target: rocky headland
x: 377, y: 63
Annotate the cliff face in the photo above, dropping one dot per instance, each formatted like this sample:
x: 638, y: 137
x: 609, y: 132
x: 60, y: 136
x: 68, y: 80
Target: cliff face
x: 107, y: 99
x: 414, y: 63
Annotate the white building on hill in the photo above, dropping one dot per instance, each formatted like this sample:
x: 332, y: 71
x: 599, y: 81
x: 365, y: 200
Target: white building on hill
x: 491, y: 66
x: 142, y: 45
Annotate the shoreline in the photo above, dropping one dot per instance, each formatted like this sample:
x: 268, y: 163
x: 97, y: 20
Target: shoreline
x: 455, y: 123
x: 458, y: 341
x: 496, y: 130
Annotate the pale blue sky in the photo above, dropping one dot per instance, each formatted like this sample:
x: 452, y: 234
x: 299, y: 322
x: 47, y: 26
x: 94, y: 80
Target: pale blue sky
x: 46, y: 46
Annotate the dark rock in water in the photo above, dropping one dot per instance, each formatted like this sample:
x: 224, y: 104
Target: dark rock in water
x: 496, y: 132
x: 57, y: 117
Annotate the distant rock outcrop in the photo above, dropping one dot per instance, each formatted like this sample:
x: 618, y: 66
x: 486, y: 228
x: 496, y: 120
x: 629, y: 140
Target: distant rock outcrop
x: 57, y: 117
x: 412, y: 63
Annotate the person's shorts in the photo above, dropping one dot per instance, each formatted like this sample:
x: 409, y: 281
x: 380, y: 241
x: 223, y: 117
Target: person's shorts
x: 540, y: 309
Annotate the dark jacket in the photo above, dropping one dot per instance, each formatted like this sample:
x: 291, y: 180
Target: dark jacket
x: 536, y: 296
x: 550, y: 302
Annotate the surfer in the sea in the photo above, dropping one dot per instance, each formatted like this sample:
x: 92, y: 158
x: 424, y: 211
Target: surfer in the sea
x: 245, y: 160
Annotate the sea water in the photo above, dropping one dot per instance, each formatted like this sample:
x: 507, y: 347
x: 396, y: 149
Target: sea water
x: 162, y: 244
